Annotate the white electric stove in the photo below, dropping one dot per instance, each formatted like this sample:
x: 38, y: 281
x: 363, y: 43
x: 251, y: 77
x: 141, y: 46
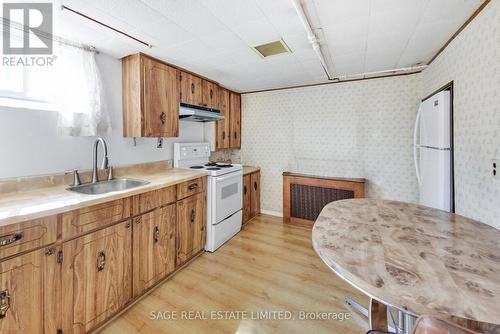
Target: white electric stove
x: 224, y: 191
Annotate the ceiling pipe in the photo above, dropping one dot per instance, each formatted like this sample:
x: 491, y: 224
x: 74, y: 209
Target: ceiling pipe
x: 311, y: 37
x: 394, y: 70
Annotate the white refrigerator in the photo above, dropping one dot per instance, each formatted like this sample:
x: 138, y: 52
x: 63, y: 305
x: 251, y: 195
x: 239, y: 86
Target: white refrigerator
x: 433, y: 153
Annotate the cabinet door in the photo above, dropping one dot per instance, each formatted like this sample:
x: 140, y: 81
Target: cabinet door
x: 255, y: 193
x: 247, y: 184
x: 96, y: 277
x: 153, y: 247
x: 210, y: 94
x: 191, y: 89
x: 21, y: 294
x: 223, y: 129
x: 191, y: 218
x: 235, y: 120
x: 161, y: 100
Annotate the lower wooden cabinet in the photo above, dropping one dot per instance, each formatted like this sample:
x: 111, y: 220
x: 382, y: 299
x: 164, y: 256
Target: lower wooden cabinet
x: 21, y: 294
x: 96, y: 277
x: 251, y: 195
x: 190, y: 227
x: 153, y: 247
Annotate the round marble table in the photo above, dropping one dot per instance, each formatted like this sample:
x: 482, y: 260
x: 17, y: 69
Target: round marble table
x: 414, y: 258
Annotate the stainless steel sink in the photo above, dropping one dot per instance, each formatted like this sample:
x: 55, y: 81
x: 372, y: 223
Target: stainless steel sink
x: 103, y: 187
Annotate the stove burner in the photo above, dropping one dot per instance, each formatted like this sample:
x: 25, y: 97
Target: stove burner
x: 213, y: 168
x: 211, y: 164
x: 196, y: 167
x: 224, y: 165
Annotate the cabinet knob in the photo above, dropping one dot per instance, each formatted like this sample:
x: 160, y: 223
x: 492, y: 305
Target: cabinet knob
x: 193, y: 215
x: 4, y: 303
x: 156, y: 234
x: 193, y: 186
x: 101, y: 260
x: 163, y: 118
x: 192, y: 88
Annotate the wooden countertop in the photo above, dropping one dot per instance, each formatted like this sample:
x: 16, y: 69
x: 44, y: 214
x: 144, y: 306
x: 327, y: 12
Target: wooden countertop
x: 250, y: 169
x: 44, y: 201
x: 412, y: 257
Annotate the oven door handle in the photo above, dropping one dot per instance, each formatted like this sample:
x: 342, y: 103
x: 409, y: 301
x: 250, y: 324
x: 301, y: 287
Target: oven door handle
x: 224, y: 178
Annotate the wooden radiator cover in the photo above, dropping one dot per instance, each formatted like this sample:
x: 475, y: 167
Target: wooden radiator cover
x: 304, y: 196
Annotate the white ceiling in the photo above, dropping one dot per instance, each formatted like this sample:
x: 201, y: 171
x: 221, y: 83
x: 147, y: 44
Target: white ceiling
x: 213, y: 37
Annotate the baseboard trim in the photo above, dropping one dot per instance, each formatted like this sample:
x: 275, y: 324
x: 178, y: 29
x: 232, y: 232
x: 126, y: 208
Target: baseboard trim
x: 272, y: 213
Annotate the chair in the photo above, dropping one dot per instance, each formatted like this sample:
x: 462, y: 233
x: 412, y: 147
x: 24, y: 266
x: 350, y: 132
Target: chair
x: 432, y: 325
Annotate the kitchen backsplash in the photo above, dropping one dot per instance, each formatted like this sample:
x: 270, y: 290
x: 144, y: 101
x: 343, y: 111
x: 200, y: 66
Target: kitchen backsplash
x: 232, y: 155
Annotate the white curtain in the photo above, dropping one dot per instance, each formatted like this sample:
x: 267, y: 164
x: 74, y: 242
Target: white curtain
x: 78, y: 92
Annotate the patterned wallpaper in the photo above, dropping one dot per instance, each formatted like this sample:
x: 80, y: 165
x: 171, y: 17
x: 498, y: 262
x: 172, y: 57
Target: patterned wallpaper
x: 356, y: 129
x: 472, y: 61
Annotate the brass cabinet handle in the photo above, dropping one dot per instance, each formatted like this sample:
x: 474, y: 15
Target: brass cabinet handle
x: 193, y: 215
x: 101, y: 260
x: 163, y: 118
x: 193, y: 186
x: 10, y: 238
x: 192, y: 88
x: 156, y: 234
x: 4, y: 303
x: 255, y: 185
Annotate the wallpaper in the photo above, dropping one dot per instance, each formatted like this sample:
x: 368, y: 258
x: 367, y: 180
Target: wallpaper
x: 472, y: 61
x: 357, y: 129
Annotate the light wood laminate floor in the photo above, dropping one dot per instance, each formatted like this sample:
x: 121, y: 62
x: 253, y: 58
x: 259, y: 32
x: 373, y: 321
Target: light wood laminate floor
x: 267, y: 267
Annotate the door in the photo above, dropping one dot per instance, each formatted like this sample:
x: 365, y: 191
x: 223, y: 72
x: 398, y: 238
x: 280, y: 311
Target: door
x: 191, y: 89
x: 22, y: 294
x: 255, y: 194
x: 228, y: 195
x: 191, y: 218
x: 223, y: 129
x: 235, y: 120
x: 210, y: 94
x: 247, y: 183
x: 153, y: 247
x: 161, y: 100
x: 96, y: 277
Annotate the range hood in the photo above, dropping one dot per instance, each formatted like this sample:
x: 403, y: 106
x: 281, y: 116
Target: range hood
x: 194, y: 113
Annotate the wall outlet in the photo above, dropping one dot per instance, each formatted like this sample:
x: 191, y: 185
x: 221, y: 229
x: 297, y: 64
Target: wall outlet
x: 495, y: 169
x: 159, y: 144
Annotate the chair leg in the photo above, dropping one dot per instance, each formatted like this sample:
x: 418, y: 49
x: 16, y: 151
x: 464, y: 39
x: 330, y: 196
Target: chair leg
x: 356, y: 306
x: 377, y: 315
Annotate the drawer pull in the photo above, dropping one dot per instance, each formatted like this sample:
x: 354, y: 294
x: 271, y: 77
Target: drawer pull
x: 255, y: 185
x: 193, y: 186
x: 8, y: 239
x: 193, y: 215
x: 101, y: 260
x: 156, y: 234
x: 4, y: 303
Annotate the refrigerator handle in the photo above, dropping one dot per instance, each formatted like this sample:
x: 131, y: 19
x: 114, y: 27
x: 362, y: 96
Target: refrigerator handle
x: 416, y: 146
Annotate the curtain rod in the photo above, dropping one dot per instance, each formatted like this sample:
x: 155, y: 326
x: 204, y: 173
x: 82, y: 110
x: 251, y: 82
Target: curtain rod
x: 63, y: 7
x: 45, y: 35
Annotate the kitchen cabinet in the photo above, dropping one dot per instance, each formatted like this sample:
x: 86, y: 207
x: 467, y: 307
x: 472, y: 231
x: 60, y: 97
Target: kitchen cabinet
x: 190, y: 227
x: 96, y: 277
x: 191, y: 89
x: 222, y: 128
x: 235, y: 120
x: 22, y: 294
x: 153, y: 247
x: 150, y: 98
x: 251, y: 195
x: 210, y: 94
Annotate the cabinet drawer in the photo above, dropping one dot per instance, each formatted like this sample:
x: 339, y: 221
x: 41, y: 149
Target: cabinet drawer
x: 189, y: 188
x: 25, y: 236
x: 97, y: 216
x: 153, y: 199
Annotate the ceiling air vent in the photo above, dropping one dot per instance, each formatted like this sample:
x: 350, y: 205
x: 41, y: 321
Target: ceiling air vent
x: 272, y: 48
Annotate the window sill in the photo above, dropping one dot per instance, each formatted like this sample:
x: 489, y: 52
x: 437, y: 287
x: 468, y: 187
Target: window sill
x: 26, y: 104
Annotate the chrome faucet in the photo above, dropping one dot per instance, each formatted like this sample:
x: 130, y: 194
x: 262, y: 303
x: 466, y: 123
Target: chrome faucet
x: 104, y: 164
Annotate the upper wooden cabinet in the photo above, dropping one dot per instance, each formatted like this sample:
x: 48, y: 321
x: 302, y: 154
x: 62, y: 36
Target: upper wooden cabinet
x: 235, y: 120
x: 222, y: 128
x: 150, y: 98
x: 210, y: 94
x: 191, y: 89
